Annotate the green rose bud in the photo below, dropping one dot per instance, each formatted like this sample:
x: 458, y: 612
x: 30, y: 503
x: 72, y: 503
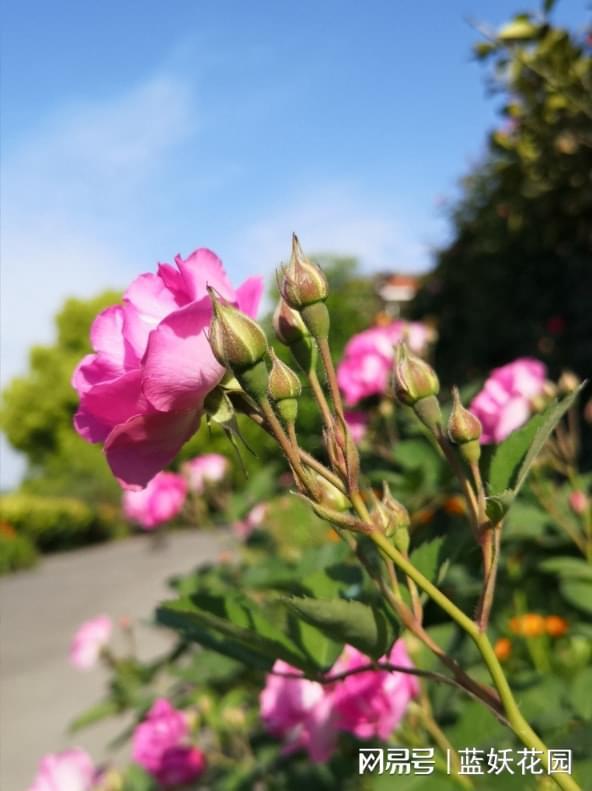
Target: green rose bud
x: 330, y: 496
x: 288, y: 325
x: 414, y: 378
x: 304, y: 283
x: 236, y: 340
x: 463, y: 426
x: 283, y: 387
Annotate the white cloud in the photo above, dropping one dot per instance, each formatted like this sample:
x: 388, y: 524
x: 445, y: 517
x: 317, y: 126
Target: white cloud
x: 68, y: 191
x: 336, y: 220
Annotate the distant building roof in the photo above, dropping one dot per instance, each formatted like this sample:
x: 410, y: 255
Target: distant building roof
x: 398, y: 288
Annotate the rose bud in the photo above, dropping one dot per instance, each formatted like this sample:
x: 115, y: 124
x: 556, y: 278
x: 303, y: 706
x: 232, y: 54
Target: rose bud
x: 239, y: 344
x: 304, y: 287
x: 293, y: 333
x: 304, y: 282
x: 464, y: 429
x: 416, y: 385
x: 283, y: 387
x: 330, y: 496
x: 237, y: 341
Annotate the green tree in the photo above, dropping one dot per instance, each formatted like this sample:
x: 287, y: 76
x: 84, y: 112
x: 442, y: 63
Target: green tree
x: 37, y: 411
x: 517, y: 276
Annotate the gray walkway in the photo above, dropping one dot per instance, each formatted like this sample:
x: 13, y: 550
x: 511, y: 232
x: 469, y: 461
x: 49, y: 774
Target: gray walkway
x: 40, y: 610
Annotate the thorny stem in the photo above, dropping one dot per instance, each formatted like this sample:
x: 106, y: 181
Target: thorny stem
x: 465, y: 484
x: 320, y: 398
x: 291, y: 453
x: 489, y: 539
x: 331, y: 377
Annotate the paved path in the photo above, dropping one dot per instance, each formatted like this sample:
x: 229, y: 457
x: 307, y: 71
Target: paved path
x: 39, y: 611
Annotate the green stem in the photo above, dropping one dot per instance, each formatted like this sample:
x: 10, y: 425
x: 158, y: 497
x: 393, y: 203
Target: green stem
x: 517, y: 722
x: 322, y: 402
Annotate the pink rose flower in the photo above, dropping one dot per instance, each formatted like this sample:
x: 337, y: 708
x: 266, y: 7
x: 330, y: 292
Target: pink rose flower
x: 161, y: 500
x: 254, y: 519
x: 208, y: 468
x: 142, y: 390
x: 89, y: 641
x: 299, y: 712
x: 70, y: 770
x: 159, y: 745
x: 368, y: 358
x: 357, y: 422
x: 308, y: 715
x: 504, y: 403
x: 371, y: 705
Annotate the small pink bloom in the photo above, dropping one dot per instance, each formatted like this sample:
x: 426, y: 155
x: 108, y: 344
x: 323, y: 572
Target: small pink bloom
x: 254, y: 519
x: 88, y: 642
x: 299, y: 712
x: 161, y: 500
x: 368, y: 358
x: 70, y: 770
x: 578, y: 502
x: 163, y: 729
x: 504, y: 403
x: 357, y: 423
x: 371, y: 705
x: 142, y: 389
x: 180, y: 765
x: 208, y: 468
x: 308, y: 715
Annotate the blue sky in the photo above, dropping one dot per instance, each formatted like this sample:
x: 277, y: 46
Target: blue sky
x: 135, y: 130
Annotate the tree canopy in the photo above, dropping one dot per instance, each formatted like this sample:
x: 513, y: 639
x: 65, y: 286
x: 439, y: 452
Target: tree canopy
x: 516, y: 279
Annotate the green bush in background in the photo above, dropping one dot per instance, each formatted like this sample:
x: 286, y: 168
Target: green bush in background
x: 52, y: 523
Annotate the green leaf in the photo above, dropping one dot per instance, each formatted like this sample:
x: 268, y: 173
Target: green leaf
x: 517, y: 30
x: 366, y: 628
x: 572, y: 568
x: 234, y: 626
x: 100, y: 711
x: 513, y: 458
x: 578, y: 592
x: 428, y: 558
x: 580, y: 694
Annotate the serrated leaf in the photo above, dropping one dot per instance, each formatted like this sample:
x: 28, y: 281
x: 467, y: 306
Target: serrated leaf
x: 513, y: 458
x: 234, y: 626
x: 366, y: 628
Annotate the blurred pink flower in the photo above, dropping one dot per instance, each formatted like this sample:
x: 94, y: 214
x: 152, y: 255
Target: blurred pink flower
x: 180, y: 765
x: 159, y: 745
x: 89, y: 641
x: 299, y: 712
x: 578, y: 502
x: 161, y: 500
x: 504, y: 403
x: 357, y: 423
x: 208, y: 468
x: 371, y: 705
x: 70, y: 770
x: 142, y: 390
x: 368, y: 358
x: 308, y: 715
x: 256, y: 516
